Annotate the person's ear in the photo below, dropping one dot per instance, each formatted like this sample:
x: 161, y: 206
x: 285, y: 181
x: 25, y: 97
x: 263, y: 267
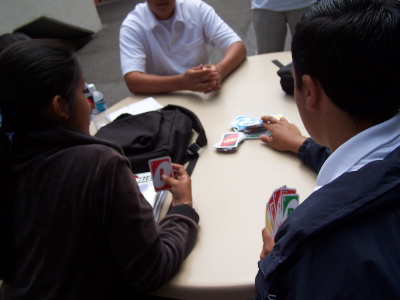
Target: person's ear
x: 312, y: 90
x: 58, y: 109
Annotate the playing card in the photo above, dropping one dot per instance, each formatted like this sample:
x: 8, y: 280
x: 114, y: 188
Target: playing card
x: 251, y: 127
x: 158, y: 167
x: 254, y: 134
x: 270, y: 217
x: 229, y: 142
x: 280, y: 205
x: 233, y: 124
x: 249, y: 124
x: 290, y: 202
x: 278, y: 116
x: 269, y: 222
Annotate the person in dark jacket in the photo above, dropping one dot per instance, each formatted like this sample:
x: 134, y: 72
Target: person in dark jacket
x: 343, y: 241
x: 6, y: 40
x: 79, y: 227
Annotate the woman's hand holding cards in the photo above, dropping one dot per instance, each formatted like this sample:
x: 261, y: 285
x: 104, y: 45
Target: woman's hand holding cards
x: 181, y: 186
x: 285, y: 136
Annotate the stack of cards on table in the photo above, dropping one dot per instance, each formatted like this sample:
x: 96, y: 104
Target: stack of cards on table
x: 251, y: 127
x: 229, y: 142
x: 281, y: 204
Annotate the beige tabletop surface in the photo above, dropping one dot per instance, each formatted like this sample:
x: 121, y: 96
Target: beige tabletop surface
x: 230, y: 191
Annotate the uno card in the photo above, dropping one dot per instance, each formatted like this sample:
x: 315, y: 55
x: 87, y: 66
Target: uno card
x: 235, y: 121
x: 254, y: 134
x: 268, y: 223
x: 229, y: 140
x: 249, y: 123
x: 290, y: 202
x: 278, y: 116
x: 246, y: 123
x: 270, y: 217
x: 158, y: 167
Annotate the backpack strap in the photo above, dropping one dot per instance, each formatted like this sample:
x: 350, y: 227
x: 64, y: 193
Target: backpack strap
x: 285, y: 73
x: 192, y: 152
x: 278, y: 63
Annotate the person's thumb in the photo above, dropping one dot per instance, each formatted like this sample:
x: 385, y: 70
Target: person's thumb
x: 168, y: 179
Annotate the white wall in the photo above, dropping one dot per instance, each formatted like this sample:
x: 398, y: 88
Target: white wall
x: 80, y: 14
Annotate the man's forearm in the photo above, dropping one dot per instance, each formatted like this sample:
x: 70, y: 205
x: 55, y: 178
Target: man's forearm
x: 233, y: 57
x: 142, y: 83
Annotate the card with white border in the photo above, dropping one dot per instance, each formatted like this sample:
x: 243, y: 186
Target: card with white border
x: 158, y: 167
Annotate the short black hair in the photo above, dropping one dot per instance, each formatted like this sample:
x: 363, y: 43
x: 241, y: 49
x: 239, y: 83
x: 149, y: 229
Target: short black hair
x: 353, y: 48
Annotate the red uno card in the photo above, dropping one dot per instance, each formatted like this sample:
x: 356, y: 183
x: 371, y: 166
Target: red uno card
x: 229, y: 140
x: 158, y: 167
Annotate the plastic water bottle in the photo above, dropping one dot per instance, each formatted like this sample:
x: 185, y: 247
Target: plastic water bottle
x: 89, y: 95
x: 99, y: 113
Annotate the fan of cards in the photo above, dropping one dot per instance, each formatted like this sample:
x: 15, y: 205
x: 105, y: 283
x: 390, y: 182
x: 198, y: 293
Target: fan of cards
x: 281, y: 204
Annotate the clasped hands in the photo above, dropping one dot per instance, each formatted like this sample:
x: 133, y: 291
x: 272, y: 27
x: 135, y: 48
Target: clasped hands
x: 203, y: 78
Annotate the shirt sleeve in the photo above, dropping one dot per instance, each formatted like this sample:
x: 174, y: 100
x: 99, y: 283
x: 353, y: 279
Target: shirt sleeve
x: 148, y: 253
x: 216, y: 31
x: 313, y: 155
x: 132, y: 49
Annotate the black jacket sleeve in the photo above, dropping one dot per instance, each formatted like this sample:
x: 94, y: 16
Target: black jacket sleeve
x: 313, y: 155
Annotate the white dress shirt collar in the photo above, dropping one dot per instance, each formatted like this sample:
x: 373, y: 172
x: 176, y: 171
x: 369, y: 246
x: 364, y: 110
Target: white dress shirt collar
x: 374, y: 143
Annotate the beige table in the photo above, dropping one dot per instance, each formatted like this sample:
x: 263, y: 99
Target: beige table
x: 231, y: 190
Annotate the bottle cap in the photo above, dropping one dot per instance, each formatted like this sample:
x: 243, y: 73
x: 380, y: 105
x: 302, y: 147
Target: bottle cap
x: 91, y: 87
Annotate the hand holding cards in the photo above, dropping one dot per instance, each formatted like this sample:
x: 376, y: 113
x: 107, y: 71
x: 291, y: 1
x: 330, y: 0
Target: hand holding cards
x: 159, y: 167
x: 245, y: 127
x: 281, y: 204
x: 172, y: 177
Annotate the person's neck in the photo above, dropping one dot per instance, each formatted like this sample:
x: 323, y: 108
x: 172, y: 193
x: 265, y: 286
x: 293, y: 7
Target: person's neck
x: 344, y: 128
x: 165, y: 17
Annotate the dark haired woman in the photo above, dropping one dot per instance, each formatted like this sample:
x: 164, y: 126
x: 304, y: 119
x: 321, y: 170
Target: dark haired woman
x: 80, y: 227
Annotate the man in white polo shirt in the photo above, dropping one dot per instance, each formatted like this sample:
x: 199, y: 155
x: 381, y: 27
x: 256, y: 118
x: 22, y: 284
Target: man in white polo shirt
x: 163, y: 47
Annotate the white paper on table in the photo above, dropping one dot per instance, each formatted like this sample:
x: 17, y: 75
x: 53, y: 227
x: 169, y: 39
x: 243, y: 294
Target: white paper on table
x: 145, y: 105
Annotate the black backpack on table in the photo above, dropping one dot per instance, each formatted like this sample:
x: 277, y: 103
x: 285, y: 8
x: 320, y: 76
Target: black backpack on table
x: 285, y: 73
x: 155, y: 134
